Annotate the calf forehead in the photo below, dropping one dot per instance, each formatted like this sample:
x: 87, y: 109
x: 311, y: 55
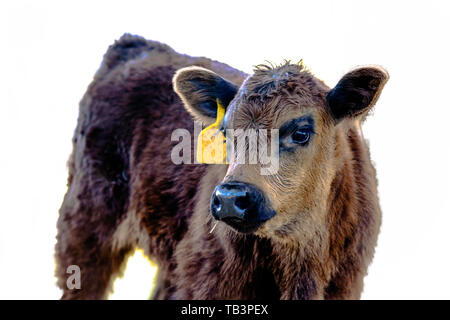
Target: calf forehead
x: 272, y: 93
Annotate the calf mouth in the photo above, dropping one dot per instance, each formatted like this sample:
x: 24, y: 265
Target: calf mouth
x: 243, y: 227
x: 241, y: 206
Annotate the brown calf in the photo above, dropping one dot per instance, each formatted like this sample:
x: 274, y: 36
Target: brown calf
x: 307, y: 231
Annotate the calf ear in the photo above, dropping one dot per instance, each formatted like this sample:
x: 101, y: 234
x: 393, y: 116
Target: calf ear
x: 356, y: 92
x: 200, y: 88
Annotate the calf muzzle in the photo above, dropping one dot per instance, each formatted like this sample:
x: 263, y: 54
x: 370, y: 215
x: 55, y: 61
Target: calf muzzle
x: 240, y: 205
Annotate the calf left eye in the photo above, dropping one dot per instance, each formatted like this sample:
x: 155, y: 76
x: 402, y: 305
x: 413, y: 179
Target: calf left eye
x: 300, y: 136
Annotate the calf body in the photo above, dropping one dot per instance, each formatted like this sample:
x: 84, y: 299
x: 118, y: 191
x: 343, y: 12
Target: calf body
x: 125, y: 192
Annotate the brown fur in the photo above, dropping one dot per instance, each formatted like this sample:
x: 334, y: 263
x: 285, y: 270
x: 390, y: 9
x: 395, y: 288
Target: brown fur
x: 124, y: 192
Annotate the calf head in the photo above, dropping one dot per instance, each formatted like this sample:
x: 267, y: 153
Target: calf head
x: 306, y: 114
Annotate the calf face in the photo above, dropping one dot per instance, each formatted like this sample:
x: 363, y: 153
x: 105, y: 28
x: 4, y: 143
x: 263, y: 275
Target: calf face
x: 306, y: 115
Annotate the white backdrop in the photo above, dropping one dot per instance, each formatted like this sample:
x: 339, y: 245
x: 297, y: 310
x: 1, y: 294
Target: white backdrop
x: 50, y: 51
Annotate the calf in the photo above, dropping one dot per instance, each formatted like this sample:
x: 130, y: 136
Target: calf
x: 306, y: 231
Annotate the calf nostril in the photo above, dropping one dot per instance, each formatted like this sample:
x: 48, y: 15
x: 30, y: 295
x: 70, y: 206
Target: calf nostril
x: 216, y: 203
x: 242, y: 202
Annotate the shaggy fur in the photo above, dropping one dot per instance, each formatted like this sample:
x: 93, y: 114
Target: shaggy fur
x: 124, y: 191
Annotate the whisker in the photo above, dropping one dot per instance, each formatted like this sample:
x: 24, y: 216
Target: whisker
x: 214, y: 226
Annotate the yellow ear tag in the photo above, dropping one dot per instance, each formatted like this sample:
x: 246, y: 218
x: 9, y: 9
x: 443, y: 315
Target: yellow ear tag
x: 211, y: 143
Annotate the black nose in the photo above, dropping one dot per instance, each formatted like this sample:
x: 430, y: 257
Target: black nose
x: 232, y: 200
x: 240, y: 205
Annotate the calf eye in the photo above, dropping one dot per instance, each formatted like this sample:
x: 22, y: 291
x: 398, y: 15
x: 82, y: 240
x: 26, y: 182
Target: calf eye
x: 300, y: 136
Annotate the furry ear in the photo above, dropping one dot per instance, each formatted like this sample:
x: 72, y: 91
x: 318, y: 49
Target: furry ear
x: 199, y: 90
x: 356, y: 92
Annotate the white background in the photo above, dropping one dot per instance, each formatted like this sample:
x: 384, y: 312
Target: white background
x: 50, y: 51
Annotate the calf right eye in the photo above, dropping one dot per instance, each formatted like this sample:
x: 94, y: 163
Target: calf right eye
x: 300, y: 136
x: 296, y: 132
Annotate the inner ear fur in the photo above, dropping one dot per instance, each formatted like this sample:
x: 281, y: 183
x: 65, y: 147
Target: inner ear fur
x: 199, y: 89
x: 357, y: 91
